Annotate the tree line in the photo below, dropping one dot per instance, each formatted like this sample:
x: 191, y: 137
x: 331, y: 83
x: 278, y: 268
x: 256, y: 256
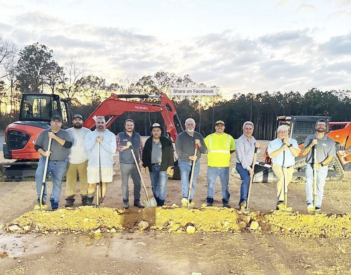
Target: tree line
x: 34, y: 70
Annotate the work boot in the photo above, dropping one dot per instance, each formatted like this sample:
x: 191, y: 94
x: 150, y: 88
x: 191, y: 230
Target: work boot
x: 226, y: 205
x: 318, y: 210
x: 184, y: 202
x: 70, y: 201
x: 242, y: 205
x: 209, y: 202
x: 138, y: 204
x: 160, y: 202
x: 90, y: 200
x: 84, y: 200
x: 125, y: 204
x: 54, y: 205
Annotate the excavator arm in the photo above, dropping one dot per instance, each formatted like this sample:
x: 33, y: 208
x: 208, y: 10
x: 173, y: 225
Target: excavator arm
x: 114, y: 107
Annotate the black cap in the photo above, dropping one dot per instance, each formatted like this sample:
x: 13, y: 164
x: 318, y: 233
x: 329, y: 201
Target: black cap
x: 77, y: 116
x: 56, y: 117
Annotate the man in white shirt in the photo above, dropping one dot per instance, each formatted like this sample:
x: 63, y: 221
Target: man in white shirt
x: 78, y: 163
x: 100, y: 161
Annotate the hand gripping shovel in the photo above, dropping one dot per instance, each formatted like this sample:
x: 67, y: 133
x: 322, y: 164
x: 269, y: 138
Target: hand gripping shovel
x: 43, y: 184
x: 99, y: 184
x: 247, y: 209
x: 192, y: 176
x: 149, y: 202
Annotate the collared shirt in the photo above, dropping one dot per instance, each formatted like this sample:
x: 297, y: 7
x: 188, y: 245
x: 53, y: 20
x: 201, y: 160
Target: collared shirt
x: 156, y: 153
x: 245, y: 151
x: 289, y: 159
x: 325, y: 148
x: 219, y: 147
x: 185, y: 146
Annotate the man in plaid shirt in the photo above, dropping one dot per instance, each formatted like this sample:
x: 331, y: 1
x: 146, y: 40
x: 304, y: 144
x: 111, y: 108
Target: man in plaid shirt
x: 127, y: 141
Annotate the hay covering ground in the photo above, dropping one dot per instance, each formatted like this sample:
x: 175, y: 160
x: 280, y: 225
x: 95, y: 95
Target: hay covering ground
x: 179, y: 220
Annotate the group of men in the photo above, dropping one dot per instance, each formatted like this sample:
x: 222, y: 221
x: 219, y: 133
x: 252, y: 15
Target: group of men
x: 89, y: 155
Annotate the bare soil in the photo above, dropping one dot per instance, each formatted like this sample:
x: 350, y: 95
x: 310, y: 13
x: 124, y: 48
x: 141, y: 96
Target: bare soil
x: 160, y: 253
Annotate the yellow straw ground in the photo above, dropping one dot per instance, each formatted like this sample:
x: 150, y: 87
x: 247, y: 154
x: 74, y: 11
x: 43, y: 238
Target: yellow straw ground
x: 174, y: 219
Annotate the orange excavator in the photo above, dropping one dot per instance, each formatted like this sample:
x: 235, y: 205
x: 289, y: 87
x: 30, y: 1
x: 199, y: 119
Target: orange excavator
x: 35, y: 115
x: 301, y: 127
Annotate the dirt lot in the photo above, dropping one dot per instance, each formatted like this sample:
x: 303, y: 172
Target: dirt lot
x: 159, y: 253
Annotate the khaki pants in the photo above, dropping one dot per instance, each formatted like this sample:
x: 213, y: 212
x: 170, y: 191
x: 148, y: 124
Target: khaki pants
x: 71, y: 179
x: 279, y: 172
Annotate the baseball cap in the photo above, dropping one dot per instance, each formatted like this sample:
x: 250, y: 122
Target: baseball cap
x: 56, y: 117
x: 219, y: 122
x: 77, y: 116
x: 156, y: 125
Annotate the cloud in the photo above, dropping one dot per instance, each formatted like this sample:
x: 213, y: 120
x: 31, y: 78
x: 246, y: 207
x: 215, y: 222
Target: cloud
x: 338, y: 45
x: 38, y: 18
x: 287, y: 38
x: 66, y: 42
x: 306, y: 7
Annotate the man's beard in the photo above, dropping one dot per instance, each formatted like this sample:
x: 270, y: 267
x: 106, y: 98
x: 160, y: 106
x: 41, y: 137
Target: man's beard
x: 77, y: 126
x: 190, y: 130
x: 129, y: 130
x: 101, y: 127
x: 321, y: 130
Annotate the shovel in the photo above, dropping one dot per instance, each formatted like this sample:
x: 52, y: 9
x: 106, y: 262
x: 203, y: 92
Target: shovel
x: 99, y: 184
x: 149, y: 202
x: 247, y: 209
x: 43, y: 184
x: 286, y: 208
x: 192, y: 176
x: 314, y: 178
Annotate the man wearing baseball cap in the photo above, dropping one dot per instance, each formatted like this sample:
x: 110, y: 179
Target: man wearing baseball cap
x: 58, y: 158
x: 219, y: 145
x: 158, y: 159
x: 78, y: 163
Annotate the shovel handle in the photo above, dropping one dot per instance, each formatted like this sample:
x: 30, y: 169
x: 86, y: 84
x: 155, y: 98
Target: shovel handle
x: 251, y: 179
x: 141, y: 178
x: 192, y: 176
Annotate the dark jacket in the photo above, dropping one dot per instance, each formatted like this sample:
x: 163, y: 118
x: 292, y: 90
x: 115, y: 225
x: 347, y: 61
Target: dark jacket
x: 126, y: 155
x: 167, y: 153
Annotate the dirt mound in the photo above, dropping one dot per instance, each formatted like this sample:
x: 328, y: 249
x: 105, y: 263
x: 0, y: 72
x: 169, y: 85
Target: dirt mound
x: 88, y: 220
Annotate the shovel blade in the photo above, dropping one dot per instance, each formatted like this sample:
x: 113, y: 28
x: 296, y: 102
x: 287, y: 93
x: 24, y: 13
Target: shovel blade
x: 151, y: 203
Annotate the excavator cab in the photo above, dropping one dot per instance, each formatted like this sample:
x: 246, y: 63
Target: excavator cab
x: 41, y: 107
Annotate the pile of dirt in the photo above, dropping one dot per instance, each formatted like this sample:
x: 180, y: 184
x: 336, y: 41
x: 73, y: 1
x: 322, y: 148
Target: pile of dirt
x: 87, y: 220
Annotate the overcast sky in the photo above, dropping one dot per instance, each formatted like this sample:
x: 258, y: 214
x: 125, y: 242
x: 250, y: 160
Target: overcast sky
x: 239, y: 45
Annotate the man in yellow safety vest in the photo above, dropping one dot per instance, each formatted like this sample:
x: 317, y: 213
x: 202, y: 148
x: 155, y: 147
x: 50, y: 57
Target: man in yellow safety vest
x: 220, y: 145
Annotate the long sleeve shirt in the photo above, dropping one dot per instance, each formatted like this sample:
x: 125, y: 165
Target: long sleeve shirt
x: 107, y: 148
x: 185, y: 145
x: 245, y: 151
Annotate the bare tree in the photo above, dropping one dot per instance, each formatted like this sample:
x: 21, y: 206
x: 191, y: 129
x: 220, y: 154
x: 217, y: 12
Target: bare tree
x: 7, y: 51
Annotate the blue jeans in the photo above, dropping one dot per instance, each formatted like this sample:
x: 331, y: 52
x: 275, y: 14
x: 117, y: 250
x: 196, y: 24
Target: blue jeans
x: 321, y: 176
x: 57, y: 168
x: 126, y: 171
x: 185, y: 170
x: 159, y: 183
x: 223, y: 174
x: 245, y: 177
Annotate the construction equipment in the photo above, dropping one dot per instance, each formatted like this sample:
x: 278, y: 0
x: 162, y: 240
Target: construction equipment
x: 43, y: 183
x: 247, y: 209
x: 192, y: 177
x: 149, y: 202
x: 35, y: 115
x: 301, y: 127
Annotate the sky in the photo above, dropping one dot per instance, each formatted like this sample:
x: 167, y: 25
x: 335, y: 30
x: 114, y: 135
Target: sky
x: 241, y: 46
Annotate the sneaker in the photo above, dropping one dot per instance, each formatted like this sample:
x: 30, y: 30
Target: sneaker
x: 184, y: 202
x: 126, y: 205
x: 318, y: 210
x: 310, y: 208
x: 279, y: 205
x: 226, y: 205
x: 138, y: 204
